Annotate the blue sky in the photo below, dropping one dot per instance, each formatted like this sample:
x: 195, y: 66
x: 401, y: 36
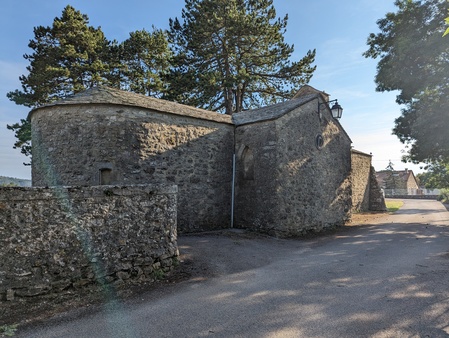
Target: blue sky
x: 337, y: 29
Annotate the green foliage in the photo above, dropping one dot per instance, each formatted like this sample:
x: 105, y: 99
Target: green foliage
x: 71, y: 56
x: 22, y: 132
x: 8, y: 330
x: 14, y: 182
x: 11, y: 184
x: 226, y: 55
x: 66, y: 58
x: 158, y: 274
x: 230, y: 55
x: 436, y: 176
x: 413, y: 60
x: 443, y: 196
x: 146, y: 59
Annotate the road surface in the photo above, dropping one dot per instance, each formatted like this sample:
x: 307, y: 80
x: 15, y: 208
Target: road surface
x: 385, y: 279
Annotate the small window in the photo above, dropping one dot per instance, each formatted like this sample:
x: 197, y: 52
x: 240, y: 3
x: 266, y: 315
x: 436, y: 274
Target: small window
x: 105, y: 176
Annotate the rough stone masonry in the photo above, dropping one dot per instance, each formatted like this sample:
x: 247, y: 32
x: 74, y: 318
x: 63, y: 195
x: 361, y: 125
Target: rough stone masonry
x: 53, y: 239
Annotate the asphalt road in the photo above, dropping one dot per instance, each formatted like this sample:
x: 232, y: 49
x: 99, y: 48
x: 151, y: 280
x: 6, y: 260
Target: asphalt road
x: 385, y: 279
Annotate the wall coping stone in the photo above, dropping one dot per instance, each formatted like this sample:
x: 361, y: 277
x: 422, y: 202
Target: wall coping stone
x: 38, y: 193
x: 361, y: 153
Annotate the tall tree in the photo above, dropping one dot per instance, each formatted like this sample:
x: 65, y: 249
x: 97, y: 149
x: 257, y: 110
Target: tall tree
x: 146, y: 58
x: 71, y: 56
x: 230, y: 55
x: 414, y: 59
x: 67, y: 58
x: 436, y: 176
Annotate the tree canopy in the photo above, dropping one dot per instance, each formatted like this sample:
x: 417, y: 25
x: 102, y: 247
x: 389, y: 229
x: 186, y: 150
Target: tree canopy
x: 436, y: 176
x: 414, y: 60
x: 71, y: 56
x: 230, y: 55
x: 67, y: 58
x: 224, y: 55
x: 146, y: 59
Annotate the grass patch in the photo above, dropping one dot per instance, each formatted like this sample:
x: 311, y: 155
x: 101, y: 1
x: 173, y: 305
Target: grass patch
x: 8, y: 330
x: 393, y: 206
x: 158, y: 274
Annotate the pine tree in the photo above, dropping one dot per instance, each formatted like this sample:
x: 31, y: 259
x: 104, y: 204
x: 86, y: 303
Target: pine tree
x: 230, y: 55
x: 145, y: 57
x: 67, y: 58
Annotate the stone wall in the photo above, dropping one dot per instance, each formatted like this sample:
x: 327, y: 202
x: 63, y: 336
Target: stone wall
x: 376, y: 195
x: 361, y: 169
x: 90, y: 144
x: 256, y: 205
x: 52, y: 239
x: 366, y: 193
x: 287, y: 184
x: 293, y: 161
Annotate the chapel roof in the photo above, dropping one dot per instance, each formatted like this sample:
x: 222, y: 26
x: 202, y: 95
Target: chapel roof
x: 278, y: 110
x: 103, y: 95
x: 111, y: 96
x: 271, y: 112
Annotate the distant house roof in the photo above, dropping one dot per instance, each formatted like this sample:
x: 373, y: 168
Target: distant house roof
x: 107, y: 95
x: 400, y: 176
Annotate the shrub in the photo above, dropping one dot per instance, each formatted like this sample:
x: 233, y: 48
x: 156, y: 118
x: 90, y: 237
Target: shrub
x: 443, y: 196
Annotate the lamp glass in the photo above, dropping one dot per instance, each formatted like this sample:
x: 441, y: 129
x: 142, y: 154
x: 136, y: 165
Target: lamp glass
x: 337, y: 111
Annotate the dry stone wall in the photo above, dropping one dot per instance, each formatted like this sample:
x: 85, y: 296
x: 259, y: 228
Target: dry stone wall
x: 361, y: 173
x: 366, y: 193
x: 376, y: 195
x: 52, y: 239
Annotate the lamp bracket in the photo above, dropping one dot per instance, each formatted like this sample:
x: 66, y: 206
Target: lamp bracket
x: 336, y: 109
x: 327, y: 103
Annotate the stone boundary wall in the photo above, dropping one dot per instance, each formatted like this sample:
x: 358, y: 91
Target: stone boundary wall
x: 376, y: 196
x: 360, y: 175
x: 366, y: 193
x: 53, y: 239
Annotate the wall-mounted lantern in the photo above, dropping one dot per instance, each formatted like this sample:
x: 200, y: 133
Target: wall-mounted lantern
x: 336, y: 109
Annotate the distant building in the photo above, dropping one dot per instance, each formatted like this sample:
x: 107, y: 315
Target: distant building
x: 402, y: 182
